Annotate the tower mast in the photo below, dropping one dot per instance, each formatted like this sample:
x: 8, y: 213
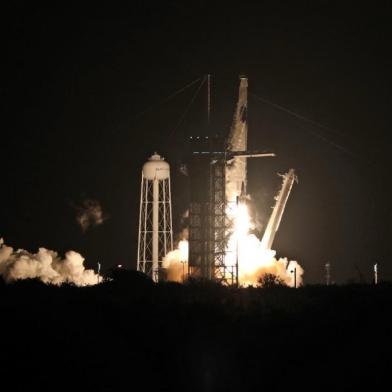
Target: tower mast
x: 208, y: 99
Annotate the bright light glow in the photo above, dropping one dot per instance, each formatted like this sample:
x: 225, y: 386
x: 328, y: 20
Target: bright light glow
x: 183, y: 247
x: 241, y: 222
x: 253, y: 259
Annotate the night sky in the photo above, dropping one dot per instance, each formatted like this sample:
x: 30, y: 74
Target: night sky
x: 82, y: 93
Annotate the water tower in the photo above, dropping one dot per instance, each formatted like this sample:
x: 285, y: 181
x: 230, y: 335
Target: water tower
x: 155, y: 218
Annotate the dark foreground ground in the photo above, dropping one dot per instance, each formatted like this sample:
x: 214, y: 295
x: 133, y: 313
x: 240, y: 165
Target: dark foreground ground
x: 130, y: 335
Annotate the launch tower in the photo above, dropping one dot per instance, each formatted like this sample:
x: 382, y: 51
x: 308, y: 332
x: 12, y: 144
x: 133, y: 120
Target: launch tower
x: 217, y: 172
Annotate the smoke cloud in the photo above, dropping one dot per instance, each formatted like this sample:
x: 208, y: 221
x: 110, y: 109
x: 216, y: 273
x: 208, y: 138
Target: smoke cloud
x: 254, y: 260
x: 89, y: 214
x: 46, y: 266
x: 176, y: 262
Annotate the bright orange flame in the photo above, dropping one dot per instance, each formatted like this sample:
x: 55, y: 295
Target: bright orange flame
x: 241, y: 222
x: 253, y: 259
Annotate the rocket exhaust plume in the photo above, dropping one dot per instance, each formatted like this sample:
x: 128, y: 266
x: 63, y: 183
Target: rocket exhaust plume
x: 253, y: 258
x: 44, y: 265
x: 176, y: 261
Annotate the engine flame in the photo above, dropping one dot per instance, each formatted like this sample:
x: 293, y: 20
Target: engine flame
x: 253, y: 259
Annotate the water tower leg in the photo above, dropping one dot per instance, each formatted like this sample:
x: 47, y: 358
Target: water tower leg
x: 155, y: 229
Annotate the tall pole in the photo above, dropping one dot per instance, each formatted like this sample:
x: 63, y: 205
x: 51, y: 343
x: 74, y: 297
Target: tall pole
x: 155, y: 228
x: 294, y: 271
x: 139, y: 243
x: 375, y: 274
x: 295, y: 277
x: 237, y: 251
x: 208, y: 98
x: 328, y: 274
x: 98, y: 269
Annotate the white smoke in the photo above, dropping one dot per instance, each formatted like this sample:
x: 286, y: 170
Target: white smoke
x: 46, y: 266
x: 176, y: 262
x: 254, y: 260
x: 89, y: 214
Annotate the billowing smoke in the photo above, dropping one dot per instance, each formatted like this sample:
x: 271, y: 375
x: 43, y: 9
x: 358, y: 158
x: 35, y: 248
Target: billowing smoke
x: 176, y: 261
x: 89, y: 214
x: 254, y: 260
x: 46, y: 266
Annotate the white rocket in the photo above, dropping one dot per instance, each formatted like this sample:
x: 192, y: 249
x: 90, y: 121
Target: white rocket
x: 236, y: 172
x: 237, y: 148
x: 238, y: 141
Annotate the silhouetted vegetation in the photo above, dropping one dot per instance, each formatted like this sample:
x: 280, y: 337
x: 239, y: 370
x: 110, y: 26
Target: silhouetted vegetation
x: 268, y: 280
x: 132, y: 334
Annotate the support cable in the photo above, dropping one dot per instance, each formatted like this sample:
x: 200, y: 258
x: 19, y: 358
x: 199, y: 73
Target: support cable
x: 312, y: 122
x: 168, y: 98
x: 182, y: 117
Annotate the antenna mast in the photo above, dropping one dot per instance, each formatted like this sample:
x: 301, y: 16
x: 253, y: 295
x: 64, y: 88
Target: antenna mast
x: 208, y: 98
x: 328, y: 274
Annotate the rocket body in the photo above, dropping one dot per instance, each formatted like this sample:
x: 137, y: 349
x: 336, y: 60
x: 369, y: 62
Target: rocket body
x: 238, y: 141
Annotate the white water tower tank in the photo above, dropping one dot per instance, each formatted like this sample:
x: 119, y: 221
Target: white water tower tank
x: 156, y: 167
x: 155, y: 217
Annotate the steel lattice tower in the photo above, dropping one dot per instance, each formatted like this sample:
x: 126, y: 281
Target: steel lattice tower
x: 208, y: 225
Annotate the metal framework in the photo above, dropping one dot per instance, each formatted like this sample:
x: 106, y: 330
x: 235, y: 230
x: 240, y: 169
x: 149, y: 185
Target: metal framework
x: 219, y: 226
x: 209, y: 224
x: 214, y: 163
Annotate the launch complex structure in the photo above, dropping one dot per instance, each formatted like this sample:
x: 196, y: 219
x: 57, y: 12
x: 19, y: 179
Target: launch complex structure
x: 218, y: 180
x: 217, y: 169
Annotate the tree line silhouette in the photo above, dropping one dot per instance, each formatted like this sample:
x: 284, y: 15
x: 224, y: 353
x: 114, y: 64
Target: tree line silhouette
x: 129, y: 333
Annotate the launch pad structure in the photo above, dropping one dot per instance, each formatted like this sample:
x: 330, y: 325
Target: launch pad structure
x: 207, y: 213
x: 209, y: 225
x: 210, y: 179
x: 209, y: 173
x: 217, y: 168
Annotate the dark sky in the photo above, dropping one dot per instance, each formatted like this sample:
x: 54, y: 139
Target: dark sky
x: 74, y: 81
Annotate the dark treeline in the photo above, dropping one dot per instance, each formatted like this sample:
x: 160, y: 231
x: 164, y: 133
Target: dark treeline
x: 130, y: 334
